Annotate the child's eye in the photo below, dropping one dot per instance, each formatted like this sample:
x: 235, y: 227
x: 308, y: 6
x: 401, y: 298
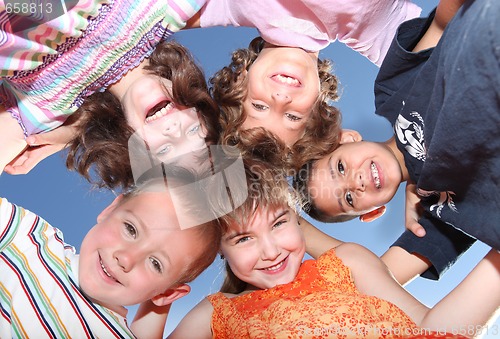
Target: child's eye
x: 156, y: 264
x: 242, y: 239
x: 164, y: 149
x: 340, y: 167
x: 193, y: 130
x: 292, y: 117
x: 131, y: 230
x: 259, y: 107
x: 279, y: 223
x: 348, y: 199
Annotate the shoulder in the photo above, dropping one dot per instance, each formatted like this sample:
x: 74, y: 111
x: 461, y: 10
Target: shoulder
x: 196, y: 323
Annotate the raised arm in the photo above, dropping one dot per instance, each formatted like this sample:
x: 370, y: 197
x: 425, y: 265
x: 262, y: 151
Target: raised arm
x: 473, y: 302
x: 470, y: 305
x: 317, y: 242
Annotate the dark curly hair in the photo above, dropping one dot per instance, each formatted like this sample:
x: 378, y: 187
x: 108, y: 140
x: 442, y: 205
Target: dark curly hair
x: 228, y: 87
x: 101, y: 144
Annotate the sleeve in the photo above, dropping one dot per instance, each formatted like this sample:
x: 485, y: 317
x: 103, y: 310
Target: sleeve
x: 400, y: 67
x: 10, y: 222
x: 442, y: 245
x: 219, y: 13
x: 180, y: 11
x: 369, y: 30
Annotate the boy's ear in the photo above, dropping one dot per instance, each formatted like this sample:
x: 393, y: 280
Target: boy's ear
x: 370, y: 216
x: 171, y: 295
x: 105, y: 212
x: 349, y: 135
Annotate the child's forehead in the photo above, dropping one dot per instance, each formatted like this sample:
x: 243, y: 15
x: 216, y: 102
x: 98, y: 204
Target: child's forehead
x: 261, y: 214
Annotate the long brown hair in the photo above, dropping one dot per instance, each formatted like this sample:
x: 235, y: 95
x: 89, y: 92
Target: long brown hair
x: 99, y: 152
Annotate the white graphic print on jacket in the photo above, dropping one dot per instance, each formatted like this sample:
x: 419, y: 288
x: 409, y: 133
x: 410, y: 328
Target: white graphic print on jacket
x: 411, y: 135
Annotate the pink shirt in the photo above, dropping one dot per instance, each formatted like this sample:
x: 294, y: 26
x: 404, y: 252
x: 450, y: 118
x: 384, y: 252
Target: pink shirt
x: 366, y: 26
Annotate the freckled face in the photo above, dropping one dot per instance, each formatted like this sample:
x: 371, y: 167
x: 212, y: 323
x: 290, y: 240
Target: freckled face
x: 282, y: 87
x: 269, y: 251
x: 354, y: 179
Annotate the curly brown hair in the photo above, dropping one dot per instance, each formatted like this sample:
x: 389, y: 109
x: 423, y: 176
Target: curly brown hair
x: 228, y: 87
x: 101, y: 144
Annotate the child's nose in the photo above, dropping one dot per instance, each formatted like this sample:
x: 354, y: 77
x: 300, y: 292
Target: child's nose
x: 125, y: 260
x: 270, y: 250
x: 281, y: 97
x: 172, y: 129
x: 357, y: 183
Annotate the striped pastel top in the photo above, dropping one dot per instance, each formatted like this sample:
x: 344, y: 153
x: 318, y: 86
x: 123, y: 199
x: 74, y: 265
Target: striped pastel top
x: 48, y: 70
x: 39, y: 294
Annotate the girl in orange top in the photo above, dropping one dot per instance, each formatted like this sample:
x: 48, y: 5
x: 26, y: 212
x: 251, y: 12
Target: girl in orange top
x: 347, y: 292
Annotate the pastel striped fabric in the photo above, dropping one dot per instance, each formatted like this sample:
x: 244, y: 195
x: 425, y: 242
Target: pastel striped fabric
x: 48, y: 70
x: 39, y: 295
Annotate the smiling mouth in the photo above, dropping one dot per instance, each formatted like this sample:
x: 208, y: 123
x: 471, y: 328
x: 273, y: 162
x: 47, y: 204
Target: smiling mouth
x: 159, y: 110
x: 275, y: 267
x: 286, y: 80
x: 375, y: 175
x: 106, y: 271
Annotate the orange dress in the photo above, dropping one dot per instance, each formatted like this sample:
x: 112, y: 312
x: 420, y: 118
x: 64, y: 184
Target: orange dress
x: 321, y: 302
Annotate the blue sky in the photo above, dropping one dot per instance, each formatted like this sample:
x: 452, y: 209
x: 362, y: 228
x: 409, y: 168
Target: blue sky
x: 67, y: 201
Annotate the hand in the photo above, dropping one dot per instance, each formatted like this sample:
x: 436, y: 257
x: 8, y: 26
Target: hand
x: 413, y: 210
x: 40, y: 146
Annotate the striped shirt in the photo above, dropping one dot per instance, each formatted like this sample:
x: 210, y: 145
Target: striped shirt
x: 48, y: 70
x: 39, y: 293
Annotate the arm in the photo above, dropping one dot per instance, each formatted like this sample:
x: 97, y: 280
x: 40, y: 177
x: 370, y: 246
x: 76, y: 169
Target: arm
x: 42, y: 145
x: 372, y: 277
x: 196, y: 324
x: 11, y: 138
x: 445, y: 11
x: 149, y: 320
x: 473, y: 302
x: 317, y: 242
x: 194, y: 21
x: 403, y: 265
x: 480, y: 291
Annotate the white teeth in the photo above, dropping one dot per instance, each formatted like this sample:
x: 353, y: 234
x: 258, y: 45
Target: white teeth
x: 376, y: 177
x: 287, y: 80
x: 104, y: 269
x: 275, y: 267
x: 161, y: 113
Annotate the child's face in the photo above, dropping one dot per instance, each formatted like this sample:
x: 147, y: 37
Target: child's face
x: 269, y: 251
x: 136, y: 251
x: 169, y: 129
x: 355, y: 179
x: 283, y: 85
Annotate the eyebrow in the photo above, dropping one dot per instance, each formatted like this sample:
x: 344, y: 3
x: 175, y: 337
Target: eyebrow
x: 236, y: 234
x: 146, y: 230
x: 332, y: 174
x: 285, y: 211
